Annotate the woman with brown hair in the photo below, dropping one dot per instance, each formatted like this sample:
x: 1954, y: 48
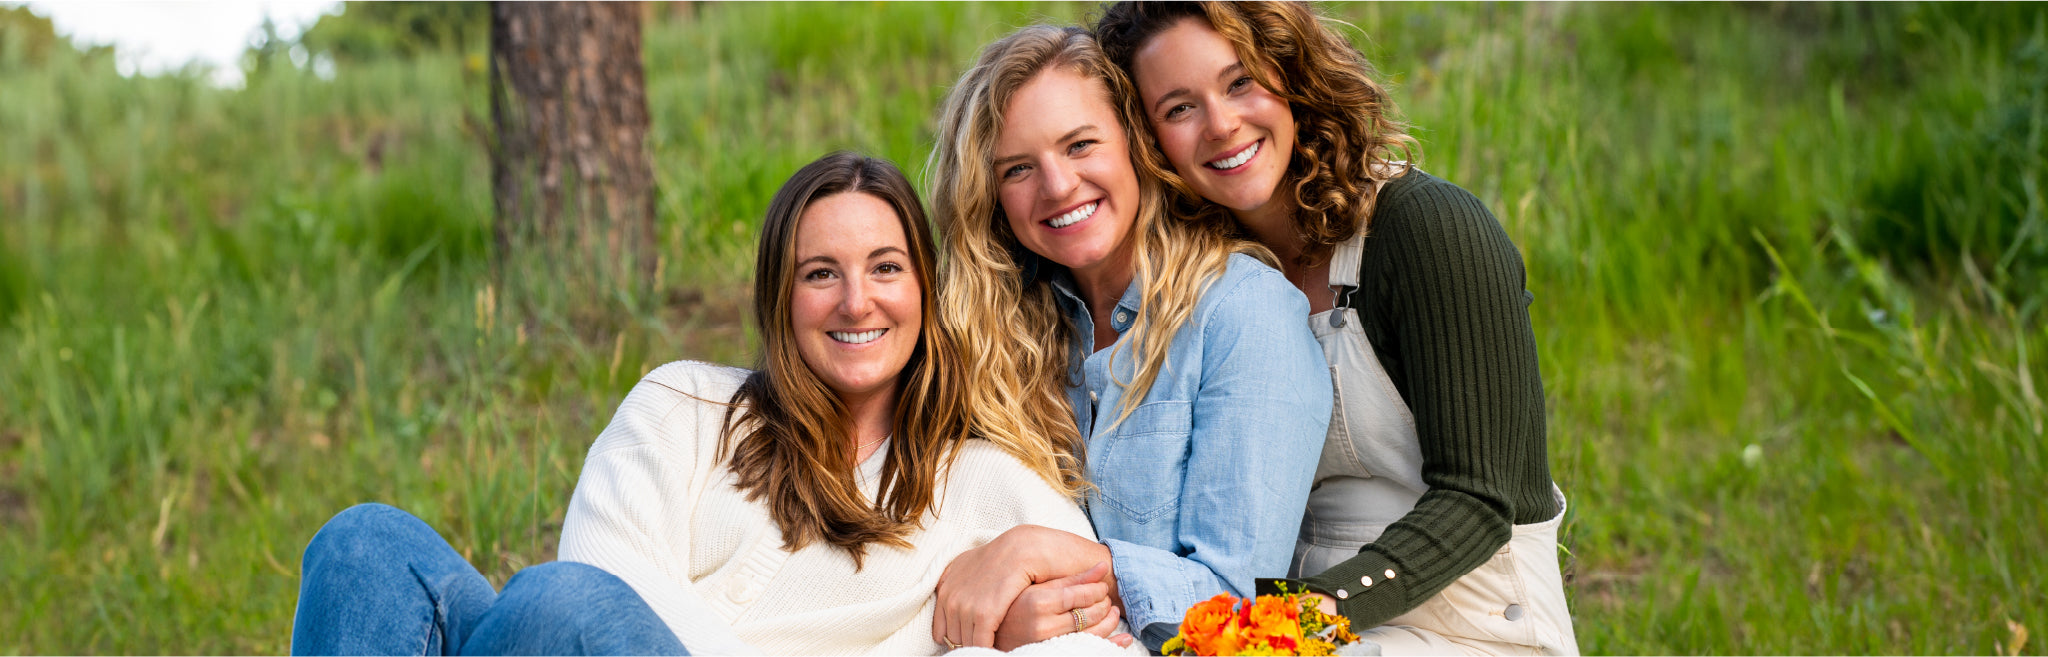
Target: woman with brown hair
x: 808, y: 507
x: 1434, y: 516
x: 814, y: 511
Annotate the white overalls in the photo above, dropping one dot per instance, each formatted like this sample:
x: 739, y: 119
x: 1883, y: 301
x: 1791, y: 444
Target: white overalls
x: 1371, y: 475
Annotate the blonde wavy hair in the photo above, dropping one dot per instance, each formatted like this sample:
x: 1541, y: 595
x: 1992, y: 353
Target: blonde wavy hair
x: 1013, y: 340
x: 1348, y: 139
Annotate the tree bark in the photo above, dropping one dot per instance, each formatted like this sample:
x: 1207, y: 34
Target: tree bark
x: 570, y: 169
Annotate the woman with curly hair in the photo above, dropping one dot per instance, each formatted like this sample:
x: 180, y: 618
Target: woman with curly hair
x: 1162, y: 358
x: 1434, y: 519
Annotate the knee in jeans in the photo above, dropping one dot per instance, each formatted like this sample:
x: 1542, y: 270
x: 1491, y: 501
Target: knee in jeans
x: 361, y: 533
x: 563, y: 591
x: 565, y: 577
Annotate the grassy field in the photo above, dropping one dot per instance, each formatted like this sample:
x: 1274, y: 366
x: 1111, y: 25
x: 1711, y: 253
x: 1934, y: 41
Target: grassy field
x: 1788, y: 263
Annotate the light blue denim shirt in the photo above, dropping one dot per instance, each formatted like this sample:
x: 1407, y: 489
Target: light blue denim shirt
x: 1202, y: 488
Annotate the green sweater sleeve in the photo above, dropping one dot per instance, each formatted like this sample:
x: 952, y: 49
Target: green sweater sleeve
x: 1442, y: 297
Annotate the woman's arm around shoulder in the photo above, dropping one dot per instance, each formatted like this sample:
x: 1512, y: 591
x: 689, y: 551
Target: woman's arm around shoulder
x: 631, y: 509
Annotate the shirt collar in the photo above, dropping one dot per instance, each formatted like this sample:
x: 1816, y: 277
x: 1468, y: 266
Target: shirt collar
x: 1062, y: 282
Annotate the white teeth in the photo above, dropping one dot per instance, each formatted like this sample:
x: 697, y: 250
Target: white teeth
x: 1238, y: 161
x: 1070, y: 218
x: 862, y: 337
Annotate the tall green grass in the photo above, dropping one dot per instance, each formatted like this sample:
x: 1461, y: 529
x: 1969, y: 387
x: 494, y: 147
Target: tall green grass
x: 1787, y: 262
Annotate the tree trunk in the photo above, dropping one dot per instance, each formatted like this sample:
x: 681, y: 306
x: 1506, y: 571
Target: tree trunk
x: 570, y: 170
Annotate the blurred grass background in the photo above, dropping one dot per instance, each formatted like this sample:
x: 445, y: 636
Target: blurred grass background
x: 1788, y: 260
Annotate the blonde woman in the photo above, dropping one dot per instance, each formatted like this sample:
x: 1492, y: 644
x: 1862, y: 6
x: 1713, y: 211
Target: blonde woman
x: 1433, y: 526
x: 1157, y: 359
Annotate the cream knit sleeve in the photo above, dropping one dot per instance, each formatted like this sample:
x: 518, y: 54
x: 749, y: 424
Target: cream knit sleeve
x: 998, y: 492
x: 631, y: 511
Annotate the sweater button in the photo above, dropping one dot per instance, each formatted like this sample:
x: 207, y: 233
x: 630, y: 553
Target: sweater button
x: 1390, y: 573
x: 1343, y: 594
x: 1366, y: 580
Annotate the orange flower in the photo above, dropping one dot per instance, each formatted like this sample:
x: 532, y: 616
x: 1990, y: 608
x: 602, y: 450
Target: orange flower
x: 1274, y: 620
x: 1210, y: 627
x: 1268, y: 625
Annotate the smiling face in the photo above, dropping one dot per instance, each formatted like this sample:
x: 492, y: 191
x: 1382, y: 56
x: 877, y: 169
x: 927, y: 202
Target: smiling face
x: 1063, y: 172
x: 1226, y: 135
x: 856, y: 307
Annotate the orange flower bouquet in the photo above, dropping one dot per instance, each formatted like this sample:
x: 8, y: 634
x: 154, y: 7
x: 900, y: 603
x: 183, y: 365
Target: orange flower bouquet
x: 1285, y: 624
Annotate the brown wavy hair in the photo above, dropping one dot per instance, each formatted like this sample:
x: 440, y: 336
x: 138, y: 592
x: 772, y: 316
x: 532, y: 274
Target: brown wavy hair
x: 793, y: 445
x: 1349, y: 137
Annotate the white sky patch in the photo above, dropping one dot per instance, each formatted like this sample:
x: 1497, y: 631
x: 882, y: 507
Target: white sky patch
x: 154, y: 37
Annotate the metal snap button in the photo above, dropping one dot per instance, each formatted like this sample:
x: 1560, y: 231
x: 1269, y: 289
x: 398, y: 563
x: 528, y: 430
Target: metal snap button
x: 1343, y: 594
x: 1390, y: 573
x: 1366, y: 580
x: 1513, y: 612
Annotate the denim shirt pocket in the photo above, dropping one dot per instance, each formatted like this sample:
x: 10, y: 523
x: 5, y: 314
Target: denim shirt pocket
x: 1143, y: 463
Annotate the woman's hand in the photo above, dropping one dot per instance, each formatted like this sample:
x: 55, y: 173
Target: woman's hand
x: 1326, y: 604
x: 979, y: 586
x: 1048, y: 609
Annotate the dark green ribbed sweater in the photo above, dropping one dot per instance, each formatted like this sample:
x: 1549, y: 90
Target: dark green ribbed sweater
x: 1442, y: 297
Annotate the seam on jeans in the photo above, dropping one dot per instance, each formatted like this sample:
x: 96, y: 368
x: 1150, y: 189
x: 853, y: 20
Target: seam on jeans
x: 437, y: 618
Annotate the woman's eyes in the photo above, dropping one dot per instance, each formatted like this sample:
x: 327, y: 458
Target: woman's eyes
x: 1075, y: 148
x: 825, y: 274
x: 1236, y: 86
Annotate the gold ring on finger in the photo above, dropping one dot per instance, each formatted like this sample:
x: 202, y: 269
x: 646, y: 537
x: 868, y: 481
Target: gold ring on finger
x: 1080, y: 620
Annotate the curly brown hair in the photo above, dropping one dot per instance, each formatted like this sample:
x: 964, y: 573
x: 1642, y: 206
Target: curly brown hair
x: 1348, y: 139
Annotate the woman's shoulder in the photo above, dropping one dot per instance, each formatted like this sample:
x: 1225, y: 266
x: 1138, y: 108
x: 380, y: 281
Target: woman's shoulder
x: 983, y: 464
x: 990, y: 478
x: 1418, y: 205
x: 697, y: 379
x: 1433, y: 243
x: 680, y: 393
x: 1249, y: 288
x: 984, y: 469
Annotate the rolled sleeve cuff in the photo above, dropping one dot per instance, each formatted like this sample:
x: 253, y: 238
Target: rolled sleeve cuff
x: 1367, y: 605
x: 1155, y: 593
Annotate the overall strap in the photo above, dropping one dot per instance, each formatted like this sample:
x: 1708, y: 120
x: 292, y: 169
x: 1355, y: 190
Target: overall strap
x: 1344, y: 263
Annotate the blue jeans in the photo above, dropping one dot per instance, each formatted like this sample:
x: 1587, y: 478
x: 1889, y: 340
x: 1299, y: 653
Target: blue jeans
x: 378, y: 581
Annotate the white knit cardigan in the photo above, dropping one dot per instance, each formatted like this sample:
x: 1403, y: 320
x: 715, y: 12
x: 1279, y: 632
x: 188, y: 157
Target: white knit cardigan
x: 656, y: 508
